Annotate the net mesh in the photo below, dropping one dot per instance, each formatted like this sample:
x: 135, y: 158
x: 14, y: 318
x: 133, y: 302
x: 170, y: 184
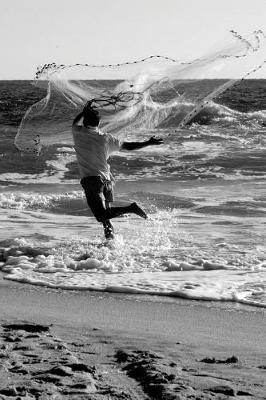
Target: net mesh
x: 136, y: 96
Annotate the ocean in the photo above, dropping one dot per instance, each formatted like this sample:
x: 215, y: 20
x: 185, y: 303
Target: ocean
x: 203, y: 189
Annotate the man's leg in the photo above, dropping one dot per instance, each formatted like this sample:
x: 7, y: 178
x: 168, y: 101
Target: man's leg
x: 95, y: 198
x: 108, y: 227
x: 108, y: 192
x: 119, y: 211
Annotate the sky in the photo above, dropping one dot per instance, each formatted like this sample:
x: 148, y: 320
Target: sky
x: 34, y: 32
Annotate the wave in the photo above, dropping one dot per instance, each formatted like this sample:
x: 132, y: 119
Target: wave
x: 72, y: 203
x: 221, y: 115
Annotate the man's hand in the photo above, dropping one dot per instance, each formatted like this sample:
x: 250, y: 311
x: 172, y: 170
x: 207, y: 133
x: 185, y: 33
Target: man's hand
x: 88, y: 106
x: 78, y: 118
x: 154, y: 141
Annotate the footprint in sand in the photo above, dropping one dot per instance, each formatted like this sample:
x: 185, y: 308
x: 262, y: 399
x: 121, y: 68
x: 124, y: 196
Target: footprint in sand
x: 38, y: 363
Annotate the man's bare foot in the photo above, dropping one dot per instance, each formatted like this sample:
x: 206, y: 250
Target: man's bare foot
x: 138, y: 211
x: 108, y: 230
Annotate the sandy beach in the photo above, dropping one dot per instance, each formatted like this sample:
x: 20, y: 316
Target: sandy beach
x: 88, y: 345
x: 133, y: 200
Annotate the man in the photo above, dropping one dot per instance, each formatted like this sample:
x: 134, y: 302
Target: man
x: 93, y: 149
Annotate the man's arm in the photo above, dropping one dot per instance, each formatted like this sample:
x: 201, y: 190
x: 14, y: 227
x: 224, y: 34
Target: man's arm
x: 140, y: 145
x: 78, y: 118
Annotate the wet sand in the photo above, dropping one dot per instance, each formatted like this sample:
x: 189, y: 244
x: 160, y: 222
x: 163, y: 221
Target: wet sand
x: 69, y: 345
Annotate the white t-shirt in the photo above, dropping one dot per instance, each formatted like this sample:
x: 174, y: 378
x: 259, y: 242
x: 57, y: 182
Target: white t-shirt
x: 93, y: 149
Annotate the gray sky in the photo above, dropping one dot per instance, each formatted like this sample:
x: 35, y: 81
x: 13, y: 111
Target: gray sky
x: 34, y: 32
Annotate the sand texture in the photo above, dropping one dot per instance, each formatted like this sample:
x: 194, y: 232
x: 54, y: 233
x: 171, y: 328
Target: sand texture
x: 39, y: 361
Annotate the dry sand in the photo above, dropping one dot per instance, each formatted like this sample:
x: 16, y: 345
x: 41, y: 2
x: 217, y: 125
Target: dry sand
x: 69, y: 345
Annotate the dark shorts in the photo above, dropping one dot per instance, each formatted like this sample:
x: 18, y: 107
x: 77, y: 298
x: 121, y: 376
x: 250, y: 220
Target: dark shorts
x: 97, y: 191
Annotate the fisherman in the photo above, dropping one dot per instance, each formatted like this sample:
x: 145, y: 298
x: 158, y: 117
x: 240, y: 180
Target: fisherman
x: 93, y: 148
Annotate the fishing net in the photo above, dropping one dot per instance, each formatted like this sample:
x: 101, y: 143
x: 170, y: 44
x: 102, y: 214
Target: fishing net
x: 133, y: 97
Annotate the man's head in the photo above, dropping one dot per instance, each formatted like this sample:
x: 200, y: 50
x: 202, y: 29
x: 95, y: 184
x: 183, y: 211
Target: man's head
x: 91, y: 117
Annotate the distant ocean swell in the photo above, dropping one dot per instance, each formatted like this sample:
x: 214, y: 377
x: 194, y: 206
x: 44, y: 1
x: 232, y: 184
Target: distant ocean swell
x: 244, y: 104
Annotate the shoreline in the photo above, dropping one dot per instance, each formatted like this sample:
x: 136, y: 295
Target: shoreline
x: 144, y: 297
x: 130, y: 312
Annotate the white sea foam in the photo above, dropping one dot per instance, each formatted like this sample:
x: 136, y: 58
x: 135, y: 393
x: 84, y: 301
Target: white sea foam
x: 156, y: 260
x: 216, y: 282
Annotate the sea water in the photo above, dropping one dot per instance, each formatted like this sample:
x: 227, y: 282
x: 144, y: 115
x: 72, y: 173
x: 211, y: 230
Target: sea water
x: 203, y: 189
